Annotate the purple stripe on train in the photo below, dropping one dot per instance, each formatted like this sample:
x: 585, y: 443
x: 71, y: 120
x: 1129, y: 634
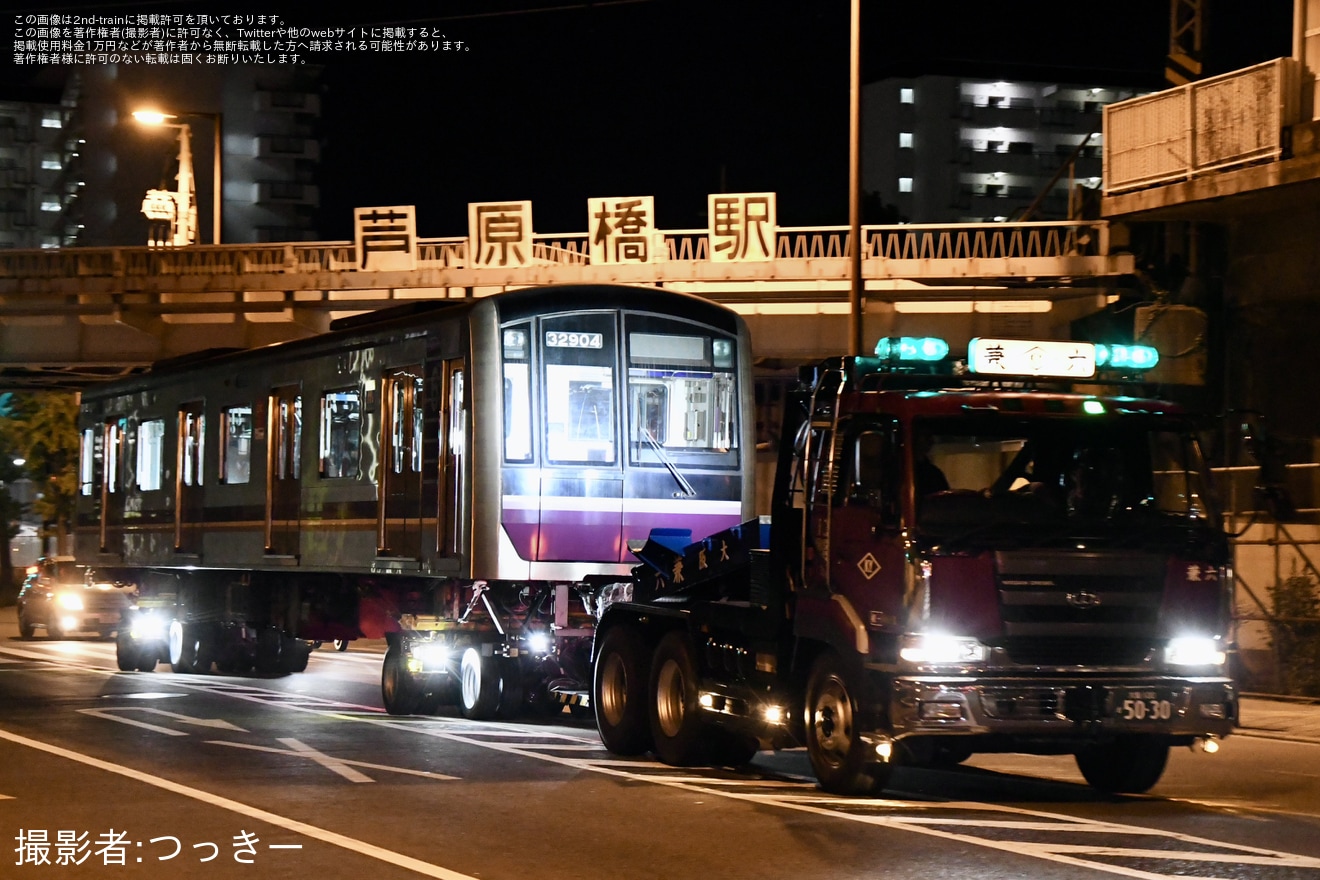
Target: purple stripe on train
x: 599, y: 535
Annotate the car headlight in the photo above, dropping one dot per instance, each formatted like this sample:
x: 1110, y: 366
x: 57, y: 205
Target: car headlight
x: 1194, y: 651
x: 70, y: 602
x: 928, y: 649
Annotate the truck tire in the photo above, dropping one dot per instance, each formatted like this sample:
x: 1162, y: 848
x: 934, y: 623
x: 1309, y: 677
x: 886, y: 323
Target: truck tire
x: 841, y: 761
x: 480, y: 676
x: 183, y: 647
x: 341, y: 645
x: 401, y: 693
x: 25, y: 627
x: 1128, y: 765
x: 680, y: 735
x: 619, y: 692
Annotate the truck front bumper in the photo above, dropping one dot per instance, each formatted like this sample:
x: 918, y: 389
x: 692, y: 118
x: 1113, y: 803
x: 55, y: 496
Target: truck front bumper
x: 1080, y: 709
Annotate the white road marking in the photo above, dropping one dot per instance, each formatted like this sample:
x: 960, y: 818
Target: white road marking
x: 324, y: 835
x: 109, y: 715
x: 342, y: 766
x: 471, y: 734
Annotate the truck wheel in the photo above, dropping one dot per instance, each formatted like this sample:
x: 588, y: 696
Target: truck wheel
x: 619, y: 693
x: 53, y: 630
x: 480, y: 677
x: 400, y: 692
x: 25, y: 627
x: 126, y: 653
x: 681, y: 736
x: 183, y: 647
x: 341, y: 645
x: 841, y: 761
x: 1129, y: 765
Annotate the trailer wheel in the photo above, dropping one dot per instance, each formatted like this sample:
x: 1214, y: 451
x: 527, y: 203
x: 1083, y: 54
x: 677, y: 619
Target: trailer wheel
x: 294, y: 654
x: 148, y: 657
x: 183, y: 647
x: 511, y: 688
x: 619, y: 693
x: 1129, y: 765
x: 841, y: 761
x: 398, y: 689
x: 126, y: 653
x: 681, y: 736
x: 479, y: 689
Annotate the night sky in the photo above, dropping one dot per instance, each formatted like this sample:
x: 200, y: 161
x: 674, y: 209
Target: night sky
x: 557, y: 100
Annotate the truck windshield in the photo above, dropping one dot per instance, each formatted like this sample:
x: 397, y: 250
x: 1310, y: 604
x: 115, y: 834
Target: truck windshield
x: 1057, y: 476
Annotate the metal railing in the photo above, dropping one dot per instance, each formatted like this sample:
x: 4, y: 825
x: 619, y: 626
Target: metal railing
x: 1207, y: 125
x: 885, y: 244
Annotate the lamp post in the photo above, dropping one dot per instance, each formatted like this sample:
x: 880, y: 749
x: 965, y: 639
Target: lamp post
x: 152, y: 117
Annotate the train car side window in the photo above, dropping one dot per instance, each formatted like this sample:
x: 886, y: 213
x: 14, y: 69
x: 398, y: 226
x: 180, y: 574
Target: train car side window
x: 150, y: 454
x: 236, y: 444
x: 341, y: 420
x: 517, y: 394
x: 87, y: 463
x: 681, y: 395
x: 192, y: 430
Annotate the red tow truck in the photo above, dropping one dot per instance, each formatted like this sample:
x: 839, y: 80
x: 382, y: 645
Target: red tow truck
x: 995, y: 553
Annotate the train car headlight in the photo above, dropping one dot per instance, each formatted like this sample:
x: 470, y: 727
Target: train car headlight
x: 1194, y: 651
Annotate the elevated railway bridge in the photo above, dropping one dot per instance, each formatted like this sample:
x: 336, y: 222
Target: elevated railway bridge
x: 72, y: 316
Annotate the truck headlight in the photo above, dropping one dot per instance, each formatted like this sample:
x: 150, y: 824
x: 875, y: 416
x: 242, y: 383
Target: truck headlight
x: 70, y: 602
x: 929, y: 649
x: 431, y: 655
x: 1194, y: 651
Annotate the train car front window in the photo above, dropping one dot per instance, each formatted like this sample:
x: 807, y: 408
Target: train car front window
x: 579, y: 389
x: 517, y: 394
x: 682, y: 395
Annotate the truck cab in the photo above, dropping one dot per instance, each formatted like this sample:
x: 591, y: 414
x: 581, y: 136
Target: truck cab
x: 997, y: 553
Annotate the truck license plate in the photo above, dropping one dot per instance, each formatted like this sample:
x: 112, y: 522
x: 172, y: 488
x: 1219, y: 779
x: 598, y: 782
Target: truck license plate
x: 1143, y: 705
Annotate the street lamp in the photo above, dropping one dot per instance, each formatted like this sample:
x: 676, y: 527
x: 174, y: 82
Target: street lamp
x: 154, y: 117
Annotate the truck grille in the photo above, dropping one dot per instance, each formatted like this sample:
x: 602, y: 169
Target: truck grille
x: 1079, y: 608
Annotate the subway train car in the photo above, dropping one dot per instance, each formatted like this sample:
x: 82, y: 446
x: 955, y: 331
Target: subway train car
x: 462, y: 478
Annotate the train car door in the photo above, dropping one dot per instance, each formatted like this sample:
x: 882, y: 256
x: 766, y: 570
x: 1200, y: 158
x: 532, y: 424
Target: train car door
x: 113, y: 452
x: 399, y: 518
x: 283, y: 470
x: 582, y: 479
x: 188, y: 480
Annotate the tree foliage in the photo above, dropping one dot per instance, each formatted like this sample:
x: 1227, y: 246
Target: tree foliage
x: 42, y: 429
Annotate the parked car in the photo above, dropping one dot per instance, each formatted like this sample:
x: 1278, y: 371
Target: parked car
x: 65, y: 598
